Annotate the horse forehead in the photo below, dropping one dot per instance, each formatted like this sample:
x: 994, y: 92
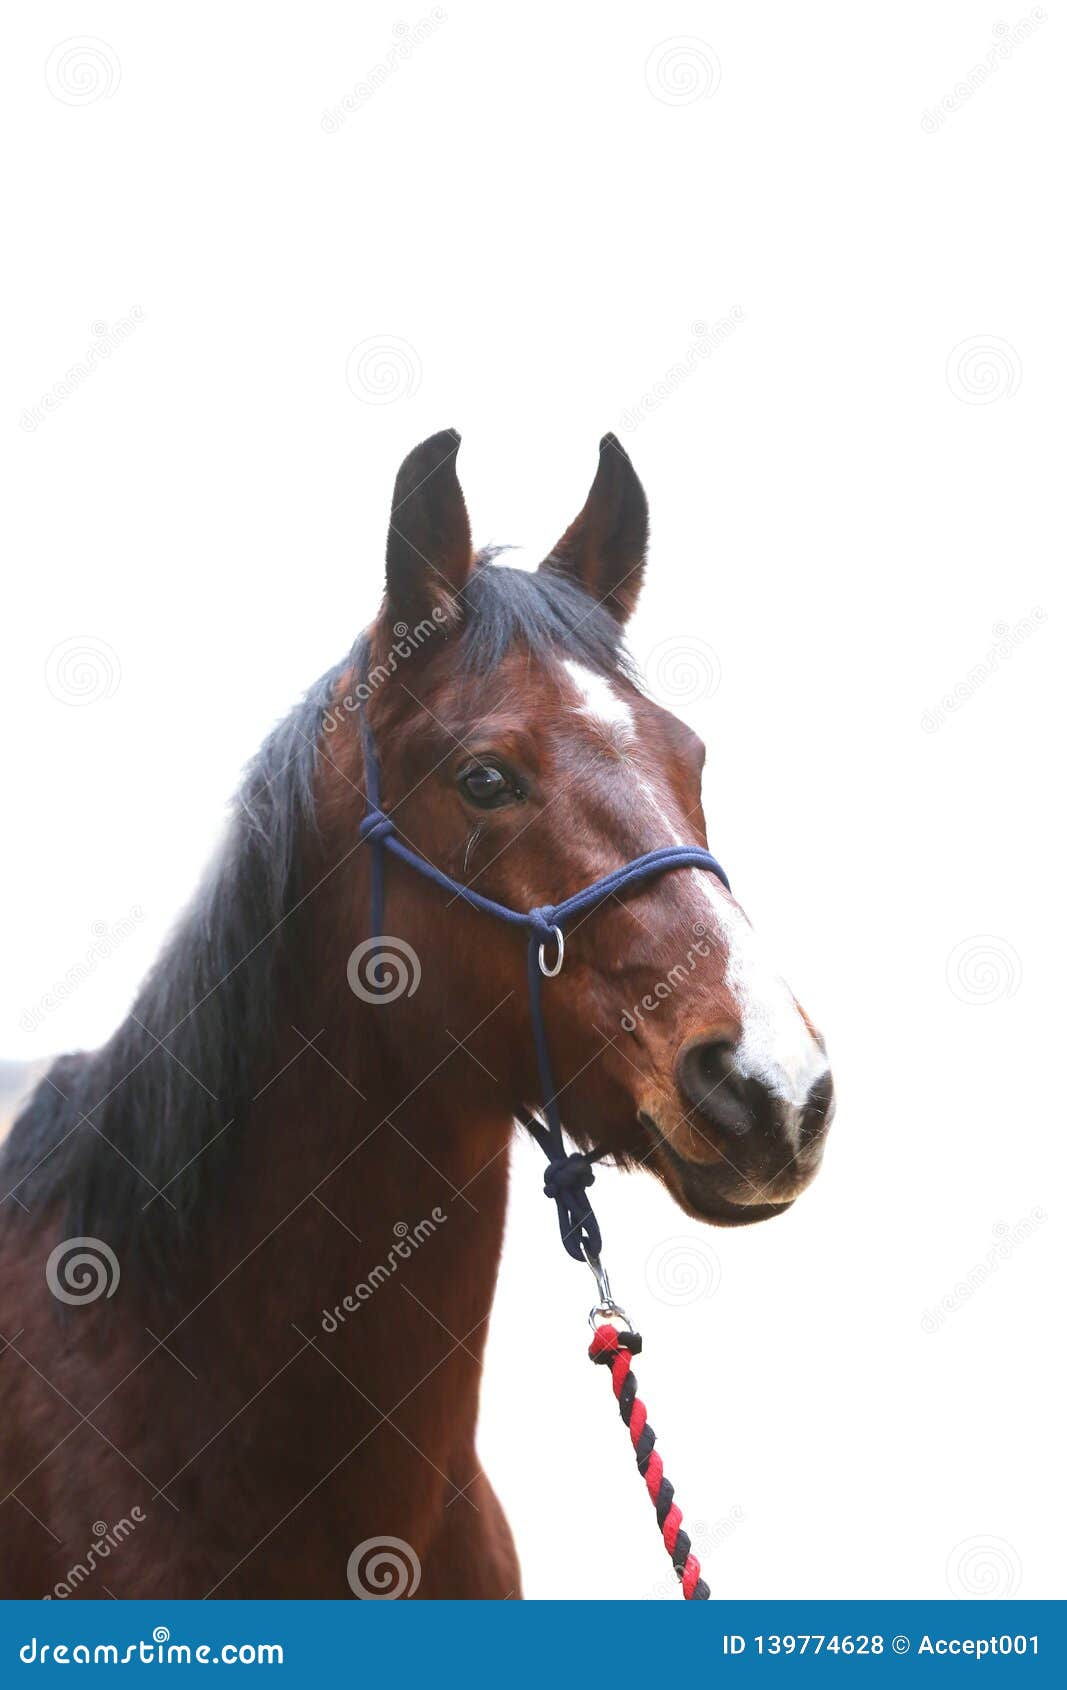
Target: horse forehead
x: 593, y: 697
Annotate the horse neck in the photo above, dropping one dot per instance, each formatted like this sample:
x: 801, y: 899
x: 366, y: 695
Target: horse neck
x: 372, y: 1156
x: 375, y: 1191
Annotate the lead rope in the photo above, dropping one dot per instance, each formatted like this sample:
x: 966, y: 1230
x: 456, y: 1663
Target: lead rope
x: 613, y: 1349
x: 568, y: 1175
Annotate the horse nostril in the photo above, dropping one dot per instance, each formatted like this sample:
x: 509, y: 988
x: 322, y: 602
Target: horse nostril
x: 715, y: 1060
x: 818, y: 1108
x: 710, y: 1082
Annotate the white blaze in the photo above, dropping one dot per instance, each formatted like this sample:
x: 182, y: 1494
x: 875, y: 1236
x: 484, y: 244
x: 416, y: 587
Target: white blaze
x: 601, y: 704
x: 777, y: 1047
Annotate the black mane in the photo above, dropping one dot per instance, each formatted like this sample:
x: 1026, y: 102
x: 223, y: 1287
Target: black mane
x: 207, y: 998
x: 106, y: 1130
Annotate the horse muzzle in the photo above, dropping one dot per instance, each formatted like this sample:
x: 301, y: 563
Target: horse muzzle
x: 742, y: 1152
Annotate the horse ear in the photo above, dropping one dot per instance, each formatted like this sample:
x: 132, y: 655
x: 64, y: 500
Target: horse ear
x: 604, y: 547
x: 428, y: 553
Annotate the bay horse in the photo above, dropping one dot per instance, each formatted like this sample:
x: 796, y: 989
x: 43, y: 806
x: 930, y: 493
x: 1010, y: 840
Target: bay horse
x: 248, y: 1247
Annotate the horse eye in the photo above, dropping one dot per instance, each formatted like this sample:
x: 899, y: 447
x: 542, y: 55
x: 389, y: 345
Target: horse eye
x: 486, y: 786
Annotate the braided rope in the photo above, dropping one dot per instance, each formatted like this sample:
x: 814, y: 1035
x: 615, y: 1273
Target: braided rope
x: 613, y: 1351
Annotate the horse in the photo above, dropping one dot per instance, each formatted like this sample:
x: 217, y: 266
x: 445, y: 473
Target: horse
x: 249, y: 1246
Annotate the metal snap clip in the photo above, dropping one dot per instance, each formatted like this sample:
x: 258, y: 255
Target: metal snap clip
x: 607, y: 1309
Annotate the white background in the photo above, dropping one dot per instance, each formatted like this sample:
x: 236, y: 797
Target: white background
x: 529, y: 215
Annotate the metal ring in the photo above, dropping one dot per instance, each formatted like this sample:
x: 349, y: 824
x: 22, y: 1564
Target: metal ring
x: 550, y: 973
x: 609, y: 1312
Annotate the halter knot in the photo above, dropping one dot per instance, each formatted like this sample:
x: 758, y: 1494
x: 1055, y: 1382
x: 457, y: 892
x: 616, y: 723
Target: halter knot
x: 376, y: 825
x: 567, y: 1176
x: 543, y: 923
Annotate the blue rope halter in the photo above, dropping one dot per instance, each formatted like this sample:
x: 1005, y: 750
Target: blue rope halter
x: 567, y: 1176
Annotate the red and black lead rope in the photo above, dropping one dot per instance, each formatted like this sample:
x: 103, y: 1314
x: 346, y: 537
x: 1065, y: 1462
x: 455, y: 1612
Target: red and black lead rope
x: 614, y: 1350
